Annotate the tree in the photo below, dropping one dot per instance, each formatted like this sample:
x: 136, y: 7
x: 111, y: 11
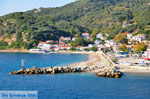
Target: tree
x: 79, y: 41
x: 121, y: 38
x: 124, y: 48
x: 72, y: 32
x: 94, y: 49
x: 3, y: 45
x: 73, y: 49
x: 86, y: 49
x: 140, y: 47
x: 94, y: 32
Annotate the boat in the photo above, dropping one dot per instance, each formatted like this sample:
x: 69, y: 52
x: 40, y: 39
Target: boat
x: 146, y: 55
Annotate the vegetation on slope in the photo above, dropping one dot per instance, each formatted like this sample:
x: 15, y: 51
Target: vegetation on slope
x: 106, y: 16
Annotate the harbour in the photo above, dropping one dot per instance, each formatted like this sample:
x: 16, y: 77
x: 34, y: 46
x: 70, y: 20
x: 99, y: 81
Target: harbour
x: 62, y: 85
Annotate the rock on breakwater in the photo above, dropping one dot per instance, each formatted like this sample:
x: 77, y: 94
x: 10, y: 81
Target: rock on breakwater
x: 110, y: 72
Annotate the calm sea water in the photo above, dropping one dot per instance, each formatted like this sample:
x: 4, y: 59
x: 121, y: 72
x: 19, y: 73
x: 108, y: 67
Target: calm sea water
x: 68, y: 86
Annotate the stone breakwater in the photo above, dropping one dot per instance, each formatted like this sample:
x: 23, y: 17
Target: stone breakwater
x: 100, y: 71
x: 50, y: 70
x: 110, y: 72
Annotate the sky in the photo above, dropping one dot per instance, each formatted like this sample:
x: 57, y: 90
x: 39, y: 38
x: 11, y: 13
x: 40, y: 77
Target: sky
x: 9, y: 6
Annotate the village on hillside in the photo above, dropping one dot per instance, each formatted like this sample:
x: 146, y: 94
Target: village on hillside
x: 123, y: 45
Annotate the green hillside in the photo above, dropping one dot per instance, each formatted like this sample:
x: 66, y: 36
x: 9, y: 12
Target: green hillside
x: 107, y: 16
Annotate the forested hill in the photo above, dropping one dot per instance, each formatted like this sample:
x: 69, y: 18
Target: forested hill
x: 107, y: 16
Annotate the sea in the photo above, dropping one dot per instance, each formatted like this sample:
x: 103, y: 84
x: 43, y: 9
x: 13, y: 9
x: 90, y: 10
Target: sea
x: 68, y: 86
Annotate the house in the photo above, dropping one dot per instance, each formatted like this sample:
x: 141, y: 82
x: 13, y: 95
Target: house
x: 44, y: 46
x: 129, y: 36
x: 101, y: 46
x: 146, y: 41
x: 90, y: 45
x: 55, y: 49
x: 85, y: 35
x: 109, y: 42
x: 116, y: 47
x: 56, y: 46
x: 61, y: 43
x: 142, y: 36
x: 49, y: 41
x: 125, y: 24
x: 65, y: 47
x: 107, y: 34
x: 130, y: 47
x: 125, y: 33
x: 139, y: 37
x: 65, y: 38
x: 74, y: 38
x: 80, y: 48
x: 41, y: 44
x: 107, y: 45
x: 100, y: 36
x: 97, y: 42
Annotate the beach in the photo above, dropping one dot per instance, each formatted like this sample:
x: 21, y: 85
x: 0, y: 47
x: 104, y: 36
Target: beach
x: 95, y: 59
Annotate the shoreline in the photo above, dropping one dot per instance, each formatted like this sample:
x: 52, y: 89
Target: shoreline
x: 26, y: 51
x: 94, y: 59
x: 135, y: 70
x: 15, y: 51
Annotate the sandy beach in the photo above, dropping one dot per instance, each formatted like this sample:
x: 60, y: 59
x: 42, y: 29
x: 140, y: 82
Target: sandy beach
x: 95, y: 59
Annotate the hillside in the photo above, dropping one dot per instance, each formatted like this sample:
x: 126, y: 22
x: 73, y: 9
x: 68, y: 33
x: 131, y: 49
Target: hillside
x: 107, y: 16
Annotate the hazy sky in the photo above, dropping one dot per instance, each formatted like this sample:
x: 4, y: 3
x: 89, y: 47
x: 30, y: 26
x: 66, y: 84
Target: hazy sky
x: 9, y: 6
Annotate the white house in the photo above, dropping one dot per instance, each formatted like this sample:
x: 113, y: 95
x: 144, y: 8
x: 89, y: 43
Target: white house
x: 100, y: 36
x: 97, y: 42
x: 74, y: 38
x: 129, y: 36
x: 109, y: 43
x: 65, y: 38
x: 66, y: 47
x: 90, y: 45
x: 44, y: 46
x: 139, y: 37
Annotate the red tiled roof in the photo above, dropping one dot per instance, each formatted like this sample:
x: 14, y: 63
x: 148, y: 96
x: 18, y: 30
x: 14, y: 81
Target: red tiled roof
x: 85, y: 33
x: 125, y: 33
x: 42, y: 42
